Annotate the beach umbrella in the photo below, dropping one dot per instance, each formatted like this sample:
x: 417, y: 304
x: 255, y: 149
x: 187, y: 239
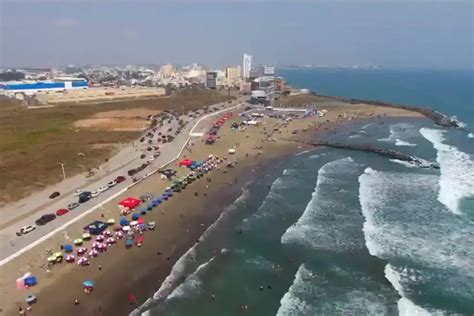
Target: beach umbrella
x: 99, y: 238
x: 30, y: 299
x: 123, y: 221
x: 143, y: 211
x: 67, y: 248
x: 149, y: 207
x: 128, y: 243
x: 95, y: 244
x: 30, y: 281
x: 93, y: 253
x: 133, y: 223
x: 107, y: 233
x: 70, y: 258
x: 102, y: 247
x: 126, y: 228
x: 110, y: 240
x: 81, y: 251
x: 78, y: 241
x: 86, y: 236
x: 82, y: 261
x: 119, y: 235
x: 140, y: 221
x: 135, y: 216
x: 88, y: 283
x: 111, y: 221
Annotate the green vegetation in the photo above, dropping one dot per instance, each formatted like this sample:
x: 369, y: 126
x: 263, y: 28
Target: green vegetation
x: 33, y: 141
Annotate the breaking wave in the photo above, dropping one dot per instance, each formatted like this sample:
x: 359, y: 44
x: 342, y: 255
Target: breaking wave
x: 399, y: 133
x: 329, y: 221
x: 400, y: 142
x: 470, y: 135
x: 456, y: 180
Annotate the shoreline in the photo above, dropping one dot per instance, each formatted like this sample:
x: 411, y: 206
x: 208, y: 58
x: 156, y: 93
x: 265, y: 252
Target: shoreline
x: 136, y: 269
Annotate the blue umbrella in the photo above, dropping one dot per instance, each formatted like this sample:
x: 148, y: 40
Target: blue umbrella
x: 149, y: 207
x: 135, y: 216
x: 68, y: 248
x: 143, y: 212
x: 154, y: 204
x: 158, y: 200
x: 123, y: 221
x: 170, y: 194
x: 88, y: 283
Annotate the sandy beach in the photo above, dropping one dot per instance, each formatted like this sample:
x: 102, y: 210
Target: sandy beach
x: 180, y: 221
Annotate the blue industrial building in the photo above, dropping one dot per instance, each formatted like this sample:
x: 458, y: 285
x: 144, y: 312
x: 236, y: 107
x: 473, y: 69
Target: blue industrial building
x: 32, y: 87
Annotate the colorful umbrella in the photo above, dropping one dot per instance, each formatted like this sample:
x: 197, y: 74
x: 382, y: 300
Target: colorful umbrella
x: 110, y: 240
x: 93, y: 253
x: 70, y: 258
x: 81, y: 251
x: 99, y: 238
x: 88, y: 283
x: 82, y: 261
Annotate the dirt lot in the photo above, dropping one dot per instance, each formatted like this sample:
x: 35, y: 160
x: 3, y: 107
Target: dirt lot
x: 119, y: 120
x: 33, y: 141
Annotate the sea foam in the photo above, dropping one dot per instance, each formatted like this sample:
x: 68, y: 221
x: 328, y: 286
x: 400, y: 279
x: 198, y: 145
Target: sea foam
x: 456, y: 171
x: 399, y: 133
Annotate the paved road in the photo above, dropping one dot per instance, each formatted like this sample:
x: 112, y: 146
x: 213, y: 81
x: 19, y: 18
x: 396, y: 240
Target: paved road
x: 10, y: 243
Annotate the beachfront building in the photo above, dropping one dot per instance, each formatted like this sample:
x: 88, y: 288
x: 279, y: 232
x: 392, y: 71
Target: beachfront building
x: 12, y: 88
x: 246, y: 66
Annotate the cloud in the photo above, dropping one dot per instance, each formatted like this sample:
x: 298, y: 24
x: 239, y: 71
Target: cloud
x: 65, y: 23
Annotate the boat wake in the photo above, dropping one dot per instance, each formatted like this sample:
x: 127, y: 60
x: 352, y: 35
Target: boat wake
x: 456, y: 181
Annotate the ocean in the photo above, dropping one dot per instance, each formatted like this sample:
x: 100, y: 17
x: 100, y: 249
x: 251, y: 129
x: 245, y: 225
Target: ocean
x: 337, y: 232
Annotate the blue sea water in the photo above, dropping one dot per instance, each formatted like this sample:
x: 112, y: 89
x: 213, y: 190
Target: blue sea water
x: 337, y: 232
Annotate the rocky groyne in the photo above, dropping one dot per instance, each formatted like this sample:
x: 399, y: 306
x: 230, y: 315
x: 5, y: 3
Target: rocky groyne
x: 392, y: 154
x: 437, y: 117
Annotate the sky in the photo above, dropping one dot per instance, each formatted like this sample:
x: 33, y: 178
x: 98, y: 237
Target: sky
x: 385, y: 33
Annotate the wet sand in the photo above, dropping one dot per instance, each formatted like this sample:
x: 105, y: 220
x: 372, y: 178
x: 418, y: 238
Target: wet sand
x: 180, y: 223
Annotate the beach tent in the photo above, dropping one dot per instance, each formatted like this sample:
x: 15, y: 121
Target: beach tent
x: 135, y: 216
x: 88, y: 284
x: 68, y: 248
x: 143, y: 210
x: 96, y: 228
x: 130, y: 202
x: 30, y: 280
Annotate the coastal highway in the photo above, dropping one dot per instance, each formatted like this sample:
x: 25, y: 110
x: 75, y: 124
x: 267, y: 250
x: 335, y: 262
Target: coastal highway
x: 12, y: 245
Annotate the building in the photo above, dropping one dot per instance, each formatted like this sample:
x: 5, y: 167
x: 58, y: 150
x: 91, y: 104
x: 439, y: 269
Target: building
x: 280, y: 85
x: 32, y: 87
x: 246, y: 66
x: 233, y: 73
x: 167, y: 70
x: 211, y: 80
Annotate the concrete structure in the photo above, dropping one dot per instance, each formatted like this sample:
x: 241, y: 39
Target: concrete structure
x: 33, y: 87
x: 246, y: 66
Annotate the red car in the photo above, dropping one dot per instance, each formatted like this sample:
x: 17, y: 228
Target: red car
x: 120, y: 179
x: 62, y: 211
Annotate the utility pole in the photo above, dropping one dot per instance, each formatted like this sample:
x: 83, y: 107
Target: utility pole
x: 62, y: 168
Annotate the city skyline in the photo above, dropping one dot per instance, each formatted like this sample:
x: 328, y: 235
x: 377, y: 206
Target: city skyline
x: 420, y: 34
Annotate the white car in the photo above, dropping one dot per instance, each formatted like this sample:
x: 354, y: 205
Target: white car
x: 151, y: 159
x: 95, y: 193
x: 78, y: 192
x: 103, y: 189
x: 111, y: 183
x: 28, y: 228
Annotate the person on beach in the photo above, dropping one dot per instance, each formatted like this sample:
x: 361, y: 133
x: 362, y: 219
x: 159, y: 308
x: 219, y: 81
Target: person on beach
x: 76, y: 301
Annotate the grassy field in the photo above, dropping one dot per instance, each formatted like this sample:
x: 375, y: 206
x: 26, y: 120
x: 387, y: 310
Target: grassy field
x: 33, y: 141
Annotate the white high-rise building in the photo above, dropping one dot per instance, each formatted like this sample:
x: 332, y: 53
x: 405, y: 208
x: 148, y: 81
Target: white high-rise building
x: 246, y: 66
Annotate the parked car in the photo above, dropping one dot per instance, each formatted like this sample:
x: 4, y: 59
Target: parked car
x: 120, y: 179
x: 78, y: 192
x: 62, y: 211
x: 73, y: 206
x: 142, y: 156
x: 157, y: 154
x: 103, y: 189
x: 85, y: 196
x: 54, y: 195
x: 26, y: 229
x: 45, y: 219
x: 111, y: 183
x: 151, y: 159
x: 95, y: 193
